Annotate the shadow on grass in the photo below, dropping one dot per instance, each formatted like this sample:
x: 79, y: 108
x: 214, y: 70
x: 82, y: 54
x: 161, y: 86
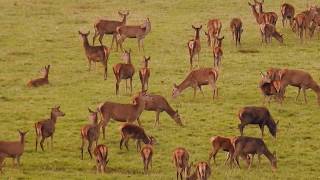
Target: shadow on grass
x: 248, y: 51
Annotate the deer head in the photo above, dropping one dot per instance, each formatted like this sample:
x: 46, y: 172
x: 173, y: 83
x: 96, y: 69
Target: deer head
x: 175, y: 91
x: 176, y: 118
x: 22, y: 135
x: 57, y: 112
x: 265, y: 78
x: 219, y: 41
x: 126, y: 56
x: 93, y: 116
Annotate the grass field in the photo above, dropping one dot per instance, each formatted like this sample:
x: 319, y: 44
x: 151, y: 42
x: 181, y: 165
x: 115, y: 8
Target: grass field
x: 35, y: 33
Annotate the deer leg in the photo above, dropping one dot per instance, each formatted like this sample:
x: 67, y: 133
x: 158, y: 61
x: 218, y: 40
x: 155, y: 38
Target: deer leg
x: 213, y: 155
x: 198, y: 54
x: 131, y: 85
x: 157, y: 118
x: 82, y: 145
x: 113, y: 38
x: 117, y: 86
x: 52, y: 142
x: 126, y: 85
x: 89, y: 65
x: 201, y: 90
x: 138, y: 143
x: 126, y: 143
x: 299, y: 89
x: 89, y: 148
x: 304, y: 95
x: 121, y: 142
x: 37, y: 139
x: 100, y: 39
x: 41, y: 143
x: 194, y: 91
x: 142, y: 44
x: 139, y: 123
x: 105, y: 123
x: 262, y: 129
x: 94, y: 37
x: 18, y: 160
x: 138, y: 44
x: 241, y: 127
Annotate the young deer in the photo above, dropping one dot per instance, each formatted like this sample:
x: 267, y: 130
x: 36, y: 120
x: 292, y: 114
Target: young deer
x: 270, y: 88
x: 224, y: 143
x: 271, y: 17
x: 132, y: 131
x: 46, y: 127
x: 287, y: 12
x: 101, y: 154
x: 40, y: 81
x: 96, y: 53
x: 194, y: 46
x: 146, y: 155
x: 236, y: 29
x: 180, y: 158
x: 196, y: 79
x: 268, y: 31
x: 124, y: 71
x: 202, y: 172
x: 139, y: 32
x: 90, y: 132
x: 214, y: 28
x: 144, y: 74
x: 102, y: 27
x: 217, y: 52
x: 122, y: 112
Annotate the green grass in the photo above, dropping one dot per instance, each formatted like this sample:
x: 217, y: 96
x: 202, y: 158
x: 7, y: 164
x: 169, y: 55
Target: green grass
x: 37, y: 33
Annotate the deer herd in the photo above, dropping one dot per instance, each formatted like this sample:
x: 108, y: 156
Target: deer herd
x: 272, y: 84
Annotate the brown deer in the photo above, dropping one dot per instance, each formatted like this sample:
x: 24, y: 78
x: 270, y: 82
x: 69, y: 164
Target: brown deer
x: 124, y: 71
x: 271, y: 17
x: 90, y: 132
x: 268, y: 31
x: 270, y: 88
x: 202, y: 172
x: 315, y: 26
x: 46, y: 127
x: 196, y: 79
x: 40, y: 81
x: 257, y: 115
x: 102, y: 27
x: 236, y: 30
x: 287, y: 12
x: 159, y: 104
x: 217, y: 52
x: 146, y: 155
x: 96, y: 53
x: 122, y: 112
x: 250, y: 145
x: 260, y: 18
x: 299, y: 25
x: 194, y: 46
x: 139, y: 32
x: 101, y: 154
x: 132, y: 131
x: 144, y: 74
x: 214, y: 28
x: 224, y: 143
x: 180, y: 158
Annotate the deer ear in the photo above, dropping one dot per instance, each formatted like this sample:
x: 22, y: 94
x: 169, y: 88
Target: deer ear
x: 193, y: 27
x: 79, y: 32
x: 19, y: 131
x: 175, y: 85
x: 148, y: 58
x: 90, y: 110
x: 200, y: 27
x: 277, y: 123
x: 88, y: 32
x: 262, y: 75
x: 222, y: 37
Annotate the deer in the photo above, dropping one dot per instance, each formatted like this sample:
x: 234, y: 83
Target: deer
x: 180, y: 158
x: 40, y: 81
x: 250, y: 145
x: 144, y: 74
x: 159, y: 104
x: 45, y: 128
x: 146, y: 155
x: 194, y: 46
x: 139, y: 32
x: 224, y: 143
x: 196, y: 79
x: 287, y: 12
x: 236, y: 30
x: 214, y: 28
x: 95, y: 53
x: 202, y: 172
x: 132, y: 131
x: 90, y: 132
x: 217, y: 52
x: 101, y: 154
x: 315, y: 25
x: 270, y: 89
x: 299, y: 25
x: 271, y: 17
x: 122, y: 112
x: 259, y: 116
x: 268, y: 31
x: 124, y: 71
x: 102, y: 27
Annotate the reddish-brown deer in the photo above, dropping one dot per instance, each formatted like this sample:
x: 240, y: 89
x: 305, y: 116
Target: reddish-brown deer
x: 146, y: 155
x: 40, y: 81
x: 144, y: 74
x: 217, y: 52
x: 236, y: 30
x: 271, y: 17
x: 270, y: 89
x: 299, y: 25
x: 268, y: 31
x: 287, y: 12
x: 96, y: 53
x: 315, y: 26
x: 180, y: 158
x: 214, y: 28
x: 101, y: 154
x: 224, y: 143
x: 194, y: 46
x: 46, y: 127
x: 202, y: 172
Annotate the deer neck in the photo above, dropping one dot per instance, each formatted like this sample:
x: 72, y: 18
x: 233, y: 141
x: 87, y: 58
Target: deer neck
x: 269, y: 155
x: 148, y: 27
x: 140, y: 106
x: 53, y: 118
x: 169, y: 110
x: 197, y: 36
x: 86, y: 43
x: 315, y: 87
x: 255, y: 13
x: 146, y: 139
x: 22, y: 139
x: 124, y: 20
x: 185, y: 84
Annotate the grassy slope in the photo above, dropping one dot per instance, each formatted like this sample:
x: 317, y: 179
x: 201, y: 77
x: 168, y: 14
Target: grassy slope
x: 36, y: 33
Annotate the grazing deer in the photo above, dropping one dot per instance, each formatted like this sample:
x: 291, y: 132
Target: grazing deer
x: 287, y: 12
x: 102, y: 27
x: 40, y: 81
x: 236, y: 29
x: 12, y: 149
x: 202, y: 172
x: 124, y: 71
x: 268, y: 31
x: 144, y: 74
x: 90, y: 132
x: 96, y: 53
x: 159, y: 104
x: 146, y: 155
x: 101, y: 154
x: 270, y: 88
x: 271, y: 17
x: 46, y: 127
x: 250, y: 145
x: 180, y: 159
x: 194, y: 46
x: 139, y: 32
x: 196, y: 79
x: 122, y: 112
x: 214, y: 28
x: 217, y: 52
x: 132, y: 131
x: 224, y: 143
x: 257, y: 115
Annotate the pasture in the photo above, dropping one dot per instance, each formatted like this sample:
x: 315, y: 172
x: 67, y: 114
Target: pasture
x: 36, y: 33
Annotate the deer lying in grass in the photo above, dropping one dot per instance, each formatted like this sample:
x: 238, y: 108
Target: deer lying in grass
x: 250, y: 145
x: 40, y: 81
x: 224, y: 143
x: 217, y: 52
x: 96, y: 53
x: 180, y: 158
x: 214, y: 28
x: 236, y: 29
x: 124, y: 71
x: 102, y: 27
x: 270, y: 89
x: 196, y: 79
x: 90, y: 132
x: 144, y: 74
x: 139, y: 32
x: 46, y: 127
x: 122, y: 112
x: 12, y: 149
x: 268, y: 31
x: 159, y: 104
x: 257, y: 115
x: 101, y: 154
x: 287, y: 12
x: 271, y: 17
x: 194, y: 46
x: 202, y: 172
x: 146, y: 155
x: 132, y: 131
